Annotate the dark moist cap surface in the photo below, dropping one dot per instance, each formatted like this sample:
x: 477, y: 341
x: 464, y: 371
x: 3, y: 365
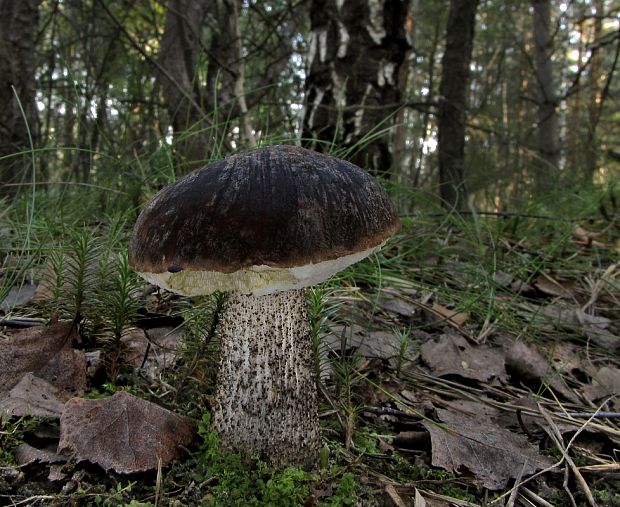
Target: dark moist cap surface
x: 279, y: 207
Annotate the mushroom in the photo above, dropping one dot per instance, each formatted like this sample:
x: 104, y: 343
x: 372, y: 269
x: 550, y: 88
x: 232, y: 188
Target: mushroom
x: 261, y: 226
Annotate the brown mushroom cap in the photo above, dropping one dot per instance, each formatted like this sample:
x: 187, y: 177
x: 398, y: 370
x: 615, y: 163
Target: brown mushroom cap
x: 270, y: 213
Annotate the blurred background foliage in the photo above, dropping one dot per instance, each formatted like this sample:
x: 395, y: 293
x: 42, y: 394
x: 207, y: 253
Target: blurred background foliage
x: 112, y: 99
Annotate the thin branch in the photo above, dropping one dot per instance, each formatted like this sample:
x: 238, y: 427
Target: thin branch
x: 151, y: 60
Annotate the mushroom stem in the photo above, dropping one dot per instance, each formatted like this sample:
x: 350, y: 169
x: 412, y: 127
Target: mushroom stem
x: 266, y: 399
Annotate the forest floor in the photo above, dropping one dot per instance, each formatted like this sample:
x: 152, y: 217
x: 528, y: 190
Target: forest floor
x: 474, y: 361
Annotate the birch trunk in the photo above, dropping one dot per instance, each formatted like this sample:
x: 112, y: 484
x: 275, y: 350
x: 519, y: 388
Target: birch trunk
x: 356, y: 50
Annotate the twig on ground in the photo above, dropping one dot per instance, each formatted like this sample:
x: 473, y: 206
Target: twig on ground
x: 448, y: 499
x: 556, y: 436
x: 21, y: 322
x: 515, y: 489
x: 592, y: 415
x: 394, y: 496
x: 391, y: 411
x: 533, y: 496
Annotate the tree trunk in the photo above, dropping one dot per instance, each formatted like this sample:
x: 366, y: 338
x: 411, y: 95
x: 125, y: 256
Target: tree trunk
x: 595, y: 101
x: 178, y: 77
x: 548, y: 138
x: 453, y: 103
x: 356, y: 50
x: 18, y: 24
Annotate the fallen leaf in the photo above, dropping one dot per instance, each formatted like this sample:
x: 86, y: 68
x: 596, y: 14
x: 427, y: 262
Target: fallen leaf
x: 397, y: 305
x: 520, y: 287
x: 528, y: 362
x: 596, y: 329
x: 566, y: 356
x: 474, y: 408
x: 25, y: 454
x: 123, y: 433
x: 165, y: 342
x: 494, y: 455
x: 502, y: 278
x: 418, y: 500
x: 29, y: 350
x: 587, y: 238
x: 563, y: 316
x: 457, y: 318
x: 18, y: 296
x: 57, y: 473
x: 371, y: 344
x: 94, y: 363
x: 135, y: 346
x: 551, y: 287
x: 66, y: 370
x: 166, y: 339
x: 152, y: 350
x: 451, y: 354
x: 605, y: 382
x: 582, y: 233
x: 32, y: 396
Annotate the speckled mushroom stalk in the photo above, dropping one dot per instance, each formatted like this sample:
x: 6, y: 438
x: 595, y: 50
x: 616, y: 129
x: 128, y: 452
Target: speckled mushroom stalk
x: 266, y: 400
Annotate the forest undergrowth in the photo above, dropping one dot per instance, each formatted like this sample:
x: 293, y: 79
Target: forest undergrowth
x: 473, y: 361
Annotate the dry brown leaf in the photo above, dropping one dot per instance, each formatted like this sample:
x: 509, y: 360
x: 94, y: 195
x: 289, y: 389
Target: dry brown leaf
x: 451, y: 354
x: 418, y: 499
x: 474, y: 408
x: 567, y: 357
x: 582, y: 233
x: 457, y: 318
x: 57, y: 473
x: 25, y: 454
x: 422, y: 498
x: 371, y: 344
x: 528, y: 362
x: 123, y: 433
x: 66, y: 370
x: 153, y: 351
x: 605, y: 382
x: 552, y: 287
x: 397, y: 306
x: 571, y: 317
x: 18, y: 296
x: 587, y: 238
x: 165, y: 342
x: 596, y: 329
x: 29, y: 350
x: 135, y: 346
x: 502, y: 278
x: 32, y: 396
x: 494, y: 455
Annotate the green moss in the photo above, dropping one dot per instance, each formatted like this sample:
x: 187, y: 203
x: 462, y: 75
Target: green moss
x: 12, y: 434
x: 237, y: 480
